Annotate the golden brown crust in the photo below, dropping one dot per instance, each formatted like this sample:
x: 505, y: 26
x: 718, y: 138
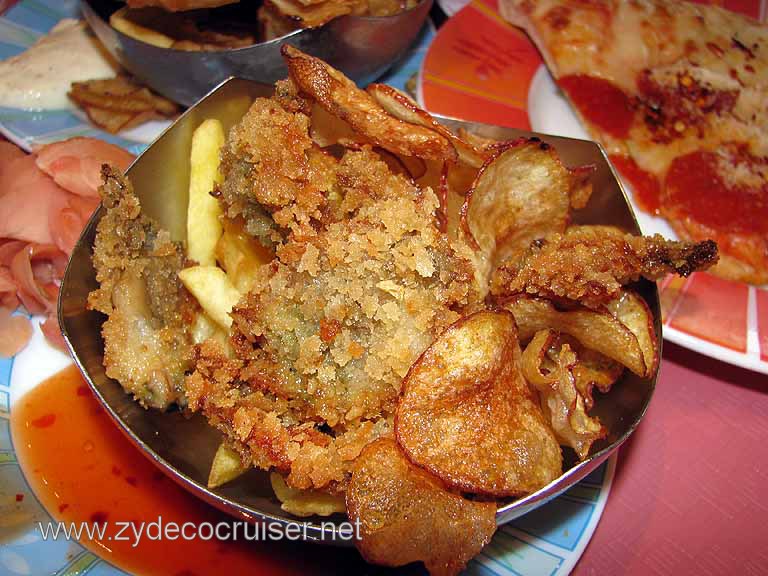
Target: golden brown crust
x: 146, y: 342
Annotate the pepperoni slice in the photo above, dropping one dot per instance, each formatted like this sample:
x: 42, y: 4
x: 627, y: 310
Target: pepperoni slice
x: 645, y: 186
x: 697, y: 186
x: 601, y: 103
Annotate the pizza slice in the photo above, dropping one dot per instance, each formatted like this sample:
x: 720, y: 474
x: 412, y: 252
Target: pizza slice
x: 677, y: 93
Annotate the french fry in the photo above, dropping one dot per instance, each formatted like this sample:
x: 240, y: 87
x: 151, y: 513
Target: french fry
x: 240, y: 255
x: 227, y: 465
x: 305, y: 502
x: 213, y: 290
x: 203, y: 212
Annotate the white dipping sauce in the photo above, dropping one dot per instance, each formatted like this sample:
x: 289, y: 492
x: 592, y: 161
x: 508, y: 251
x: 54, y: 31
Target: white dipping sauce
x: 40, y: 78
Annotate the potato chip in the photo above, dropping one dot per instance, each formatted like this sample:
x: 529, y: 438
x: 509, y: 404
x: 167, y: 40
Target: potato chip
x: 118, y: 94
x: 522, y: 193
x: 479, y: 142
x: 305, y: 502
x: 562, y: 403
x: 467, y: 415
x: 338, y: 95
x: 632, y: 311
x: 116, y: 104
x: 403, y: 107
x: 227, y: 465
x: 406, y: 515
x: 596, y: 330
x: 594, y: 370
x: 327, y: 130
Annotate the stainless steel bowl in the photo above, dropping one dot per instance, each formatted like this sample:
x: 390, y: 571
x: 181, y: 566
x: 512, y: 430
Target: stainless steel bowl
x: 184, y: 448
x: 363, y: 47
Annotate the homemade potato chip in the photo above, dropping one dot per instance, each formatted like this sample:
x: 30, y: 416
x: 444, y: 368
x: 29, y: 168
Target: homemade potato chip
x: 467, y: 415
x: 407, y: 515
x: 403, y: 107
x: 596, y: 330
x: 326, y: 129
x: 563, y: 405
x: 203, y: 210
x: 632, y: 311
x: 342, y: 98
x: 592, y: 370
x: 305, y: 502
x: 522, y: 193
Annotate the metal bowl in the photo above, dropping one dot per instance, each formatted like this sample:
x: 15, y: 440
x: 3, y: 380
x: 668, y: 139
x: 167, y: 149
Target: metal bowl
x: 183, y: 448
x: 363, y: 47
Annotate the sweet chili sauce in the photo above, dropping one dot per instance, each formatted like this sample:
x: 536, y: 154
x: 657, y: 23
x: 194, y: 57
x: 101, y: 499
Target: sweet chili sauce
x: 82, y: 469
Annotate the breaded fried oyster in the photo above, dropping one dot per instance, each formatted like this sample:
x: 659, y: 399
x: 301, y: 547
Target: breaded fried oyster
x: 147, y: 347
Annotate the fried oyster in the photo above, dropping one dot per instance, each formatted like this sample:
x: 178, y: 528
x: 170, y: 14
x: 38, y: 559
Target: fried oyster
x: 147, y: 347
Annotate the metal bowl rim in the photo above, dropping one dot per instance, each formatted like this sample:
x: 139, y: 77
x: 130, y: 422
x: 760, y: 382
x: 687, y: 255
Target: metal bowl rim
x: 280, y: 39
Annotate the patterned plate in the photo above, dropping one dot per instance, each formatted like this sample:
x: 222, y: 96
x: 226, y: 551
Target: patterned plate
x: 481, y: 68
x: 548, y: 541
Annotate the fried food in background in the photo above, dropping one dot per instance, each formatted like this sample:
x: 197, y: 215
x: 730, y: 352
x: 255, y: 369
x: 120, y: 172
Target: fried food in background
x: 343, y: 338
x: 183, y: 25
x: 116, y: 104
x: 179, y: 5
x: 206, y: 30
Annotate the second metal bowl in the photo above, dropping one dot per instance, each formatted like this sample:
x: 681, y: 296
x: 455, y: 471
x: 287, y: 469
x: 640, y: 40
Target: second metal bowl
x: 362, y: 47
